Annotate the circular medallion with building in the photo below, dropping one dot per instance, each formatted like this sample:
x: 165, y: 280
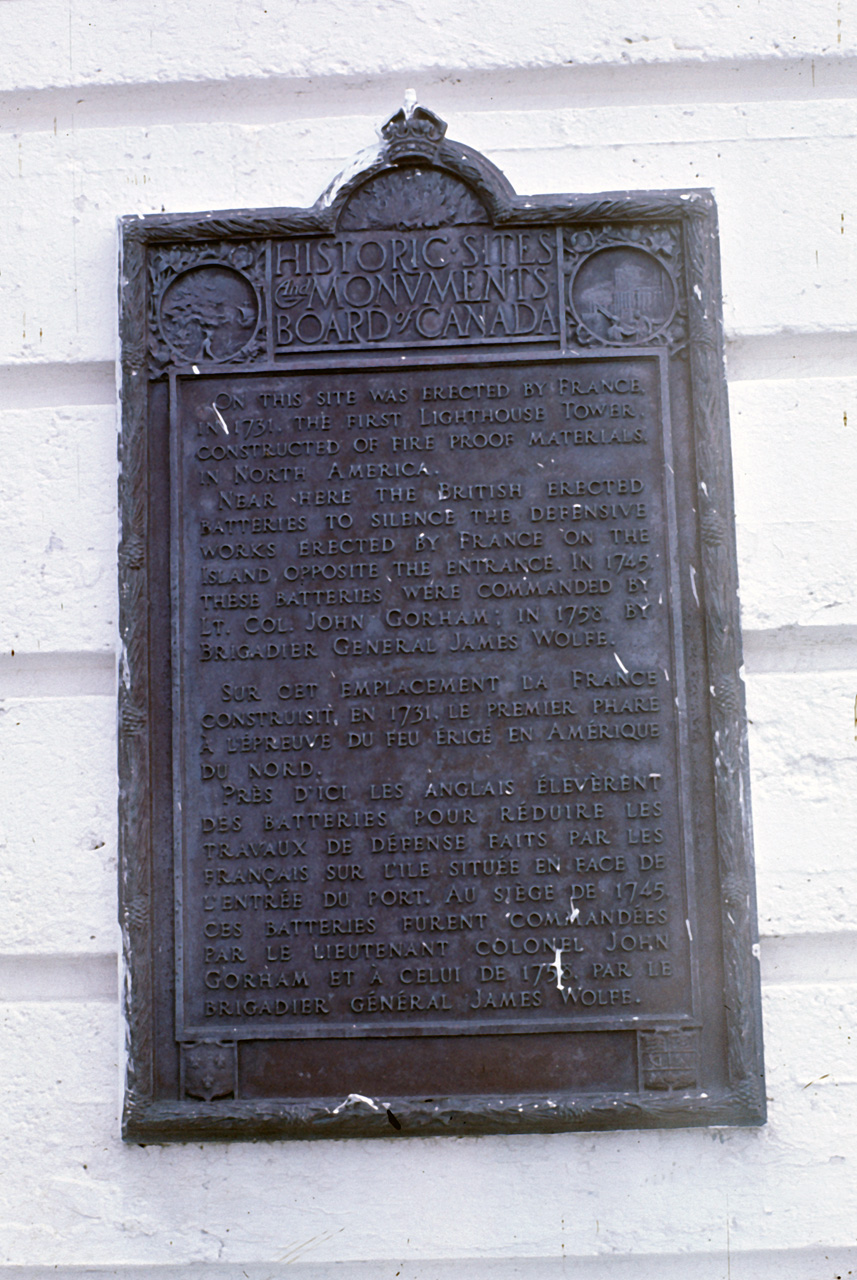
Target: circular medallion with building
x: 209, y: 313
x: 622, y: 295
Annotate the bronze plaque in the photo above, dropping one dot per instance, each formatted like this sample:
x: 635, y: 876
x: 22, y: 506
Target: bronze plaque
x: 434, y: 805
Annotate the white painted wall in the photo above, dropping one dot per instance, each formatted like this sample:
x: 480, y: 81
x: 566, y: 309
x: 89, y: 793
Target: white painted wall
x: 119, y: 106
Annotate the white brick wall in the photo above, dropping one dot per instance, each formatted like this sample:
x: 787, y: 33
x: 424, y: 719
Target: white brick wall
x: 111, y: 108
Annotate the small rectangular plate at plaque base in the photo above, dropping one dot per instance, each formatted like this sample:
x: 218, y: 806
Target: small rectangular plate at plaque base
x: 434, y: 804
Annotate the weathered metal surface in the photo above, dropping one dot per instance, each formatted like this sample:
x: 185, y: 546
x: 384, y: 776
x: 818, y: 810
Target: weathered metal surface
x: 434, y: 805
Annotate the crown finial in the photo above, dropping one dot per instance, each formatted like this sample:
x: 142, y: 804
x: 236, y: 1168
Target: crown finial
x: 413, y: 131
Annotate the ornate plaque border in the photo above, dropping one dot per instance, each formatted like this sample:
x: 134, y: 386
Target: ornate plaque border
x: 668, y: 1057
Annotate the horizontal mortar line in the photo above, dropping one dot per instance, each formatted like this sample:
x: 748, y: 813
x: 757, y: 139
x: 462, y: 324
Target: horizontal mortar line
x: 798, y: 1263
x: 792, y: 649
x: 58, y: 675
x: 720, y: 138
x: 85, y: 673
x: 70, y: 976
x: 750, y: 357
x: 48, y: 385
x: 452, y: 90
x: 791, y: 353
x: 807, y: 959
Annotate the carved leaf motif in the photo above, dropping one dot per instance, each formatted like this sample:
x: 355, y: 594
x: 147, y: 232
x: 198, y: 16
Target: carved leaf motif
x: 137, y: 912
x: 748, y: 1094
x: 133, y: 551
x: 412, y: 198
x: 133, y: 718
x: 728, y: 694
x: 735, y: 891
x: 712, y: 529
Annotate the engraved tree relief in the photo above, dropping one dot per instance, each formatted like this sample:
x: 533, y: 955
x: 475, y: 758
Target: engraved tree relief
x: 623, y: 288
x: 206, y: 304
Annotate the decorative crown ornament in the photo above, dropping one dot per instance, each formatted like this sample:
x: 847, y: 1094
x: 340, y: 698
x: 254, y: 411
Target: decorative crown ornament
x: 413, y: 131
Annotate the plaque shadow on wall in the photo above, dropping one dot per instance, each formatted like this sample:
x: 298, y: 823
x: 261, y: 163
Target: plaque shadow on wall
x: 434, y: 805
